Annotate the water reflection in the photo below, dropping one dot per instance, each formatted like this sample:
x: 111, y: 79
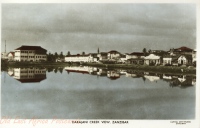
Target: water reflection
x: 85, y: 92
x: 182, y: 81
x: 26, y: 75
x: 33, y: 74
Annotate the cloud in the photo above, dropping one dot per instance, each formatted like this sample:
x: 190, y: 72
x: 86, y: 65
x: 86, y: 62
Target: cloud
x: 86, y: 27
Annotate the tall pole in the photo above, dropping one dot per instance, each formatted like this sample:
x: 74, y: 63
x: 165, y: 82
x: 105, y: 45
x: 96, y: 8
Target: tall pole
x: 5, y: 46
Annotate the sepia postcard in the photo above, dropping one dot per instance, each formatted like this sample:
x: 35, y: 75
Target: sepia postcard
x: 99, y: 63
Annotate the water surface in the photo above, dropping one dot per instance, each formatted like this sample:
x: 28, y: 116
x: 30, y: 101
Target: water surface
x: 93, y: 93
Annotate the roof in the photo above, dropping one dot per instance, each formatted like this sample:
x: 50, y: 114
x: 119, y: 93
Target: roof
x: 13, y: 53
x: 152, y: 57
x: 137, y: 53
x: 184, y: 49
x: 78, y: 55
x: 93, y: 54
x: 25, y: 47
x: 113, y: 51
x: 189, y: 57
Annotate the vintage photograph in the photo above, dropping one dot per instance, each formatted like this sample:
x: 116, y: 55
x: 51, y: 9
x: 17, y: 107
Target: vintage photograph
x: 125, y: 61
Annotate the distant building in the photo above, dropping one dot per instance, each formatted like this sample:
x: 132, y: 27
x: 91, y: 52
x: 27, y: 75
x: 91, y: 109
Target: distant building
x: 4, y: 55
x: 93, y: 57
x: 152, y: 59
x: 185, y: 59
x: 30, y: 53
x: 11, y: 56
x: 114, y: 54
x: 135, y: 58
x: 181, y: 50
x: 102, y: 56
x: 77, y: 58
x: 194, y: 52
x: 167, y: 60
x: 135, y: 55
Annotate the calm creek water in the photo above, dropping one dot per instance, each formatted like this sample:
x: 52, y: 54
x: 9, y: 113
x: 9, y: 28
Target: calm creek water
x: 93, y: 93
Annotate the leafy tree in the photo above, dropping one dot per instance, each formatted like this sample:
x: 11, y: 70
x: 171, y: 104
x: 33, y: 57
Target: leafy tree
x: 149, y: 50
x: 61, y: 55
x: 68, y: 53
x: 144, y: 51
x: 56, y: 55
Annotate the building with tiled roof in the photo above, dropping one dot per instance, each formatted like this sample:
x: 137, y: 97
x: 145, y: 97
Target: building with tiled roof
x: 30, y: 53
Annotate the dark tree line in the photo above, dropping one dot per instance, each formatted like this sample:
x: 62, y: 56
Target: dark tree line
x: 52, y: 57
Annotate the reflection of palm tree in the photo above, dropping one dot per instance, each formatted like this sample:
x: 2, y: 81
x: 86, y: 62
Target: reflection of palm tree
x: 61, y: 70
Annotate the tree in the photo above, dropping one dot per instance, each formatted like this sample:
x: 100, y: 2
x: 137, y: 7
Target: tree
x: 83, y: 53
x: 149, y: 50
x: 144, y: 51
x: 68, y: 53
x: 56, y: 55
x: 61, y: 55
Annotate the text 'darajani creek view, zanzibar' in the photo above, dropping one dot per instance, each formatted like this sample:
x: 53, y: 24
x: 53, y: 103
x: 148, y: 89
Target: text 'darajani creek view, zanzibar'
x: 98, y: 61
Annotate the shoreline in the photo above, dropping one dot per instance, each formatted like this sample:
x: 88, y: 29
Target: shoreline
x: 155, y: 69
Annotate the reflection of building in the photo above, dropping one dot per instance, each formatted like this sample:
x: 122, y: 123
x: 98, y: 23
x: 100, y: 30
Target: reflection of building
x: 182, y: 81
x: 113, y: 75
x: 30, y: 53
x: 11, y: 71
x: 152, y: 78
x: 25, y: 75
x: 80, y: 69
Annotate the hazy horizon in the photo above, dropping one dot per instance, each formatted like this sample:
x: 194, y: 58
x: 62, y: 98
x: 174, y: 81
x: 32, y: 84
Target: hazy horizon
x: 86, y: 27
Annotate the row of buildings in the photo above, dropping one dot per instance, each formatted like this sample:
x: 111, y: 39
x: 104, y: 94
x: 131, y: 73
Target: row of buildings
x: 178, y: 56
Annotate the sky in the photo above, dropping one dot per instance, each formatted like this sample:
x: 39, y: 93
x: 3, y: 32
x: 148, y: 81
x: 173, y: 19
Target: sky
x: 85, y: 27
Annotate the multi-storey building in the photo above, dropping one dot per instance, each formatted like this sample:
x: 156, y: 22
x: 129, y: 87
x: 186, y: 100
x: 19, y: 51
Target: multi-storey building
x: 30, y: 53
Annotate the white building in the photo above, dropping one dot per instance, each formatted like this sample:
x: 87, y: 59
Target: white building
x: 11, y: 56
x: 102, y: 56
x: 152, y: 59
x: 77, y: 58
x: 184, y: 59
x: 93, y: 57
x: 194, y: 56
x: 167, y: 60
x: 113, y: 54
x: 30, y: 53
